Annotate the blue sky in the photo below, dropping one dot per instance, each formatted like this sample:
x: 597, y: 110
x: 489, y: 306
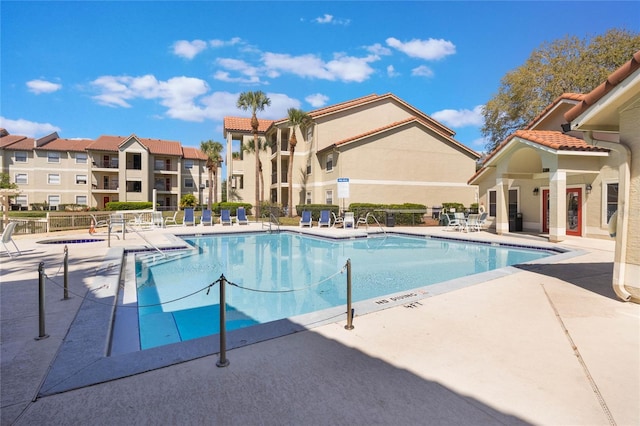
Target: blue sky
x: 173, y: 70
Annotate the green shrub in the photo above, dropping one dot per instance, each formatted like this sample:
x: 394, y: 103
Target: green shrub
x: 232, y: 207
x: 128, y: 205
x: 459, y: 207
x: 361, y: 210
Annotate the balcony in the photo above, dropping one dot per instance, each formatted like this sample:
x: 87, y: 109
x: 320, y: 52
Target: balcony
x: 104, y: 188
x: 274, y: 178
x: 104, y: 164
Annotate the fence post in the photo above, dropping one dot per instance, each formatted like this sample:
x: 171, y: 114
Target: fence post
x: 349, y: 325
x: 223, y: 361
x: 66, y: 273
x: 41, y: 313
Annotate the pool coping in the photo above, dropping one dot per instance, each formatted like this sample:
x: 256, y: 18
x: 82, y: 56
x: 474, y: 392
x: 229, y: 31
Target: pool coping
x: 83, y: 360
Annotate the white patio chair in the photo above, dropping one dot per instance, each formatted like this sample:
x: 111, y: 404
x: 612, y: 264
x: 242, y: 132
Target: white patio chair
x: 7, y: 236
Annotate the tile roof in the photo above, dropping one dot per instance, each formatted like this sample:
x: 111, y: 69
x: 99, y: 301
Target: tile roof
x: 155, y: 146
x: 576, y: 97
x: 546, y: 138
x: 398, y: 124
x: 612, y: 81
x: 193, y: 153
x: 9, y: 141
x: 66, y: 145
x: 243, y: 124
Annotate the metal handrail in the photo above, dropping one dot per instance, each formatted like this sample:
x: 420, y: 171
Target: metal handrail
x: 366, y: 219
x: 272, y: 220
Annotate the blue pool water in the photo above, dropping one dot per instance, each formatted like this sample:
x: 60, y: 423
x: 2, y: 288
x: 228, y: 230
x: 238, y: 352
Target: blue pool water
x: 282, y: 275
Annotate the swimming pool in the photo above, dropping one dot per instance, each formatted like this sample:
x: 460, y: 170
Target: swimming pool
x: 283, y: 275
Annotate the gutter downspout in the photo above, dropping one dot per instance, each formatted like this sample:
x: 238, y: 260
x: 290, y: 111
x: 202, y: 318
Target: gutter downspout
x: 623, y: 210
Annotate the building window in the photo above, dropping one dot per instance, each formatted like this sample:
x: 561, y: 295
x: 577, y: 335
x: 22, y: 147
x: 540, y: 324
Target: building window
x: 188, y: 164
x: 308, y: 197
x: 22, y: 200
x: 158, y: 165
x: 20, y: 157
x: 492, y: 203
x: 21, y: 178
x: 134, y: 186
x: 612, y: 199
x: 329, y: 162
x: 81, y: 179
x: 53, y: 157
x: 188, y: 183
x: 81, y: 200
x: 54, y: 201
x: 309, y: 134
x: 81, y: 158
x: 53, y: 179
x: 328, y: 197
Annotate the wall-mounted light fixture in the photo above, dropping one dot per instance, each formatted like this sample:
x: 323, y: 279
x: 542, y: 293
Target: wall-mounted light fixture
x: 536, y: 191
x: 589, y: 188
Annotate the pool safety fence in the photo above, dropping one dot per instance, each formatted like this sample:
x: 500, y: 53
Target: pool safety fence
x: 222, y: 361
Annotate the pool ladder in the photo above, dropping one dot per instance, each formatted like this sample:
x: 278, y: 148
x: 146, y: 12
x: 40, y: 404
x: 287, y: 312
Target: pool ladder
x: 272, y: 221
x: 366, y: 222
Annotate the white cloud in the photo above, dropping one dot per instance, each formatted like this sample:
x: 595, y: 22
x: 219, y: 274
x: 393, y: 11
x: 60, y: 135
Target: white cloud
x: 329, y: 19
x: 422, y: 71
x: 378, y: 49
x: 430, y: 49
x: 317, y: 100
x: 43, y: 86
x: 185, y: 98
x: 460, y: 118
x: 27, y: 128
x: 342, y: 67
x: 221, y: 43
x: 250, y: 72
x: 188, y: 49
x: 391, y: 71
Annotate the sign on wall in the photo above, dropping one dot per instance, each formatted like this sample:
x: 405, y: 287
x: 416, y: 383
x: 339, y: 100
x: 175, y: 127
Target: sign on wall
x: 343, y: 187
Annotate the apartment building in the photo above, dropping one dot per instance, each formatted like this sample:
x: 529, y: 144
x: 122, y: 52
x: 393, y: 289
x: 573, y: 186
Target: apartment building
x: 382, y: 150
x: 51, y: 171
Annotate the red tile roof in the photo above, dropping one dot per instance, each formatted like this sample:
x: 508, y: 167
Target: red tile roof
x: 243, y: 124
x: 10, y: 140
x: 193, y: 153
x: 76, y: 145
x: 155, y: 146
x: 547, y: 138
x: 612, y: 81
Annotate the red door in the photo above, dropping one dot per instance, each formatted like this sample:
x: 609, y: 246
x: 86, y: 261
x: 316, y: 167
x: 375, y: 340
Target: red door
x: 574, y: 211
x: 105, y: 200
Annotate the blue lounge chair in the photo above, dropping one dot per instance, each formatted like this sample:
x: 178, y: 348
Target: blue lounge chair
x: 325, y: 219
x: 241, y: 216
x: 206, y: 218
x: 225, y: 217
x: 305, y: 220
x: 188, y: 218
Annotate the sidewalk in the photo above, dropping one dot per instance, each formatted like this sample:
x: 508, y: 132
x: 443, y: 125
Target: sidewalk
x: 548, y: 344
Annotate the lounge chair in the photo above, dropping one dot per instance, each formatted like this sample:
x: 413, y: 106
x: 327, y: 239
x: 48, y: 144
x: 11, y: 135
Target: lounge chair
x: 188, y: 218
x: 241, y: 216
x: 451, y: 224
x: 325, y: 219
x: 156, y: 220
x: 7, y: 236
x: 305, y: 220
x: 171, y: 219
x: 337, y: 219
x: 363, y: 221
x: 349, y: 220
x: 225, y: 217
x: 95, y: 224
x: 480, y: 223
x: 206, y: 218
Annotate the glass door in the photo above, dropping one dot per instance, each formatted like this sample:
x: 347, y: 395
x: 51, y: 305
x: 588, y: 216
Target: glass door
x: 574, y: 211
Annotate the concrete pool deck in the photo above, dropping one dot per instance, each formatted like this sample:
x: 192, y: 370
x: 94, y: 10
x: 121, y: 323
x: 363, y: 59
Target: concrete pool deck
x: 546, y: 344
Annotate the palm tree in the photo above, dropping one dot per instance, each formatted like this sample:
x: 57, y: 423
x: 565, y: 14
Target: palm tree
x: 254, y: 101
x: 214, y: 160
x: 250, y: 146
x: 297, y: 118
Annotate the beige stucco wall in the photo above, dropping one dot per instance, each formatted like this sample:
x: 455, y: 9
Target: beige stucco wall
x: 630, y: 136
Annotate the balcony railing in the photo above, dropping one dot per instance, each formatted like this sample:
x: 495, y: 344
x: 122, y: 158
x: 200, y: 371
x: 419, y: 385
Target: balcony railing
x: 112, y: 187
x: 274, y: 178
x: 112, y: 164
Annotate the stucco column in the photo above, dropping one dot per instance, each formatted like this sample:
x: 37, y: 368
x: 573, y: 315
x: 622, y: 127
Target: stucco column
x: 502, y: 213
x: 626, y: 267
x: 557, y: 206
x: 229, y: 164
